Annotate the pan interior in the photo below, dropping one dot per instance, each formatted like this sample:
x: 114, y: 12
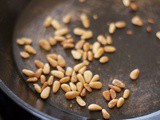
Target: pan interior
x: 140, y: 50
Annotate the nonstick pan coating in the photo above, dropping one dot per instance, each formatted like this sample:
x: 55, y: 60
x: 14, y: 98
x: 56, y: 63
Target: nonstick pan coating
x: 139, y: 50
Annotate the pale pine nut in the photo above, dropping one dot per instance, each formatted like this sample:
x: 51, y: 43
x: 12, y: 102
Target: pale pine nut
x: 88, y: 76
x: 56, y: 86
x: 104, y: 59
x: 83, y: 93
x: 85, y: 20
x: 71, y: 94
x: 102, y: 39
x: 52, y: 62
x: 95, y: 85
x: 39, y: 64
x: 27, y: 41
x: 126, y: 2
x: 68, y: 45
x: 24, y: 54
x: 82, y: 70
x: 106, y: 95
x: 44, y: 44
x: 50, y: 80
x: 30, y: 49
x: 105, y: 114
x: 28, y: 73
x: 59, y: 38
x: 86, y: 46
x: 136, y: 20
x: 20, y: 41
x: 53, y: 56
x: 120, y: 24
x: 61, y: 61
x: 73, y: 86
x: 109, y: 40
x: 84, y: 56
x: 118, y: 83
x: 99, y: 53
x: 94, y: 107
x: 109, y: 49
x: 79, y: 44
x: 120, y: 102
x: 96, y: 46
x: 48, y: 21
x: 78, y: 31
x: 95, y: 78
x: 126, y: 93
x: 42, y: 79
x: 46, y: 68
x: 65, y: 87
x: 37, y: 88
x: 117, y: 89
x: 59, y: 68
x: 32, y: 79
x: 64, y: 79
x: 69, y: 71
x: 79, y: 86
x: 52, y: 41
x: 88, y: 88
x: 61, y: 32
x: 45, y: 93
x: 57, y: 73
x: 158, y: 34
x: 80, y: 101
x: 45, y: 84
x: 67, y: 18
x: 38, y: 72
x: 76, y: 54
x: 112, y: 103
x: 55, y: 24
x: 112, y: 93
x: 87, y: 35
x: 74, y: 77
x: 79, y: 66
x: 81, y: 78
x: 112, y: 28
x: 134, y: 74
x: 90, y: 56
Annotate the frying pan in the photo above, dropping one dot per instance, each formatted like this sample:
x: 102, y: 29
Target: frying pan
x: 141, y: 50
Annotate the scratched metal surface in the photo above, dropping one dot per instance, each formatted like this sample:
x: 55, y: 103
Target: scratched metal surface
x: 139, y: 50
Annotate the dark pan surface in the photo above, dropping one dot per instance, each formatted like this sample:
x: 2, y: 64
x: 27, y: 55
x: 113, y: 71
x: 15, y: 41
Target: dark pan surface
x: 139, y: 50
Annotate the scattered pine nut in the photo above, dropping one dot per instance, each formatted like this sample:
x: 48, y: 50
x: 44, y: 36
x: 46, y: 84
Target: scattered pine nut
x: 102, y: 39
x: 52, y: 41
x: 57, y: 73
x: 45, y: 44
x: 109, y: 40
x: 79, y: 66
x: 126, y: 93
x: 117, y: 89
x: 38, y: 72
x: 59, y: 38
x: 79, y: 44
x: 82, y: 70
x: 99, y: 53
x: 30, y: 49
x: 24, y: 54
x: 79, y: 31
x: 136, y: 20
x: 50, y: 80
x: 52, y: 62
x: 73, y: 86
x: 109, y: 49
x: 53, y: 56
x: 65, y: 87
x: 85, y: 20
x: 79, y: 86
x: 112, y: 93
x: 94, y: 107
x: 55, y: 24
x: 64, y: 79
x: 158, y: 34
x: 105, y: 114
x: 37, y: 88
x: 95, y: 78
x: 86, y: 47
x: 120, y: 102
x: 43, y: 79
x: 45, y: 84
x: 83, y: 93
x: 106, y: 95
x: 67, y: 18
x: 74, y: 77
x: 68, y: 45
x: 61, y: 32
x: 56, y: 86
x: 81, y: 78
x: 134, y: 74
x: 126, y: 2
x: 76, y: 54
x: 104, y: 59
x: 71, y: 94
x: 133, y: 7
x: 46, y: 68
x: 87, y: 35
x: 48, y: 21
x: 112, y: 28
x: 28, y: 73
x: 88, y: 88
x: 96, y: 46
x: 27, y: 41
x: 32, y: 79
x: 118, y: 83
x: 20, y: 41
x: 95, y: 85
x: 112, y: 103
x: 80, y: 101
x: 88, y: 76
x: 120, y: 24
x: 69, y: 71
x: 59, y: 68
x: 61, y: 61
x: 45, y: 93
x: 85, y: 56
x: 39, y: 64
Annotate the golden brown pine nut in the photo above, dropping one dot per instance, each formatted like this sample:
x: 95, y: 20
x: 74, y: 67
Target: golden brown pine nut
x: 126, y: 93
x: 95, y: 78
x: 118, y: 83
x: 112, y: 103
x: 83, y: 93
x: 105, y: 114
x: 94, y: 107
x: 88, y: 76
x: 79, y: 86
x: 53, y: 56
x: 80, y: 101
x: 61, y: 61
x: 106, y: 95
x: 30, y: 49
x: 134, y: 74
x: 45, y: 84
x: 88, y: 88
x: 85, y: 56
x: 112, y: 93
x: 37, y: 88
x: 69, y: 71
x: 20, y: 41
x: 68, y: 45
x: 90, y: 56
x: 57, y: 73
x: 85, y: 20
x: 74, y: 77
x: 86, y: 46
x: 59, y: 38
x: 120, y: 102
x: 109, y: 40
x: 81, y: 78
x: 95, y: 85
x: 39, y: 64
x: 120, y: 24
x: 45, y: 93
x: 71, y: 94
x: 24, y: 54
x: 102, y: 39
x: 46, y: 68
x: 82, y: 70
x: 50, y: 80
x: 112, y: 28
x: 61, y: 32
x: 59, y: 68
x: 136, y: 20
x: 79, y: 44
x: 78, y: 31
x: 99, y: 53
x: 79, y: 66
x: 67, y: 18
x: 87, y: 35
x: 32, y: 79
x: 73, y: 86
x: 65, y: 87
x: 42, y: 78
x: 104, y: 59
x: 52, y: 62
x: 55, y: 24
x: 96, y: 46
x: 117, y: 89
x: 48, y: 21
x: 28, y: 73
x: 38, y: 72
x: 109, y: 49
x: 52, y: 41
x: 56, y: 86
x: 64, y: 79
x: 44, y: 44
x: 76, y: 54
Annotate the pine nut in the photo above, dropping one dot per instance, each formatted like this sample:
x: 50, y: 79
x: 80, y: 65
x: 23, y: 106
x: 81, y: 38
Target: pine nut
x: 52, y: 62
x: 39, y: 64
x: 126, y: 2
x: 28, y: 73
x: 126, y: 93
x: 95, y: 85
x: 32, y: 79
x: 79, y: 86
x: 57, y: 73
x: 20, y: 41
x: 118, y: 83
x: 56, y: 86
x: 96, y: 46
x: 133, y: 7
x: 109, y: 49
x: 134, y: 74
x: 61, y: 61
x: 79, y: 66
x: 69, y: 71
x: 83, y: 93
x: 67, y: 18
x: 95, y: 78
x: 61, y: 32
x: 73, y: 86
x: 38, y: 72
x: 120, y: 24
x: 95, y: 17
x: 104, y: 59
x: 99, y: 53
x: 85, y: 20
x: 86, y: 46
x: 24, y: 54
x: 87, y: 35
x: 45, y: 84
x: 64, y: 79
x: 78, y: 31
x: 76, y: 55
x: 102, y: 39
x: 37, y: 88
x: 46, y: 68
x: 71, y: 94
x: 112, y: 28
x: 80, y: 101
x: 105, y: 114
x: 50, y: 80
x: 88, y: 88
x: 106, y: 95
x: 68, y: 45
x: 65, y: 87
x: 52, y: 41
x: 59, y: 38
x: 88, y: 76
x: 120, y: 102
x: 112, y: 103
x: 48, y: 21
x: 55, y: 24
x: 30, y: 49
x: 136, y: 20
x: 112, y: 93
x: 109, y: 40
x: 59, y: 68
x: 85, y: 56
x: 90, y: 56
x: 94, y: 107
x: 149, y: 29
x: 80, y: 78
x: 82, y: 70
x: 151, y: 21
x: 79, y: 44
x: 42, y: 79
x: 45, y: 93
x: 74, y: 77
x: 53, y: 56
x: 27, y: 41
x: 45, y: 45
x: 117, y: 89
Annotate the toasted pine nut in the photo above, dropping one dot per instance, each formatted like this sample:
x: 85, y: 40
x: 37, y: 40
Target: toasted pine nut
x: 52, y: 41
x: 59, y: 68
x: 109, y: 49
x: 64, y: 79
x: 61, y: 32
x: 120, y: 102
x: 30, y: 49
x: 76, y: 54
x: 28, y: 73
x: 50, y: 80
x: 61, y: 61
x: 85, y: 56
x: 74, y: 77
x: 112, y: 28
x: 94, y: 107
x: 105, y: 114
x: 118, y: 83
x: 32, y: 79
x: 80, y: 101
x: 59, y: 38
x: 52, y: 62
x: 53, y: 56
x: 102, y: 39
x: 20, y: 41
x: 56, y: 86
x: 86, y: 46
x: 79, y: 66
x: 57, y: 73
x: 109, y: 40
x: 87, y: 35
x: 112, y: 103
x: 44, y: 44
x: 81, y: 78
x: 68, y: 45
x: 88, y: 88
x: 45, y: 84
x: 45, y: 93
x: 96, y: 46
x: 117, y: 89
x: 82, y: 70
x: 88, y: 76
x: 37, y: 88
x: 134, y: 74
x: 38, y: 72
x: 90, y: 56
x: 73, y: 86
x: 65, y: 87
x: 78, y: 31
x: 48, y: 21
x: 83, y: 93
x: 79, y: 86
x: 136, y: 20
x: 39, y: 64
x: 55, y: 24
x: 133, y: 7
x: 24, y: 54
x: 71, y: 94
x: 112, y: 93
x: 79, y: 44
x: 120, y: 24
x: 95, y: 78
x: 67, y: 18
x: 69, y: 71
x: 85, y: 20
x: 95, y: 85
x: 99, y: 53
x: 126, y: 2
x: 126, y: 93
x: 42, y: 79
x: 46, y: 68
x: 27, y: 41
x: 104, y: 59
x: 106, y: 95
